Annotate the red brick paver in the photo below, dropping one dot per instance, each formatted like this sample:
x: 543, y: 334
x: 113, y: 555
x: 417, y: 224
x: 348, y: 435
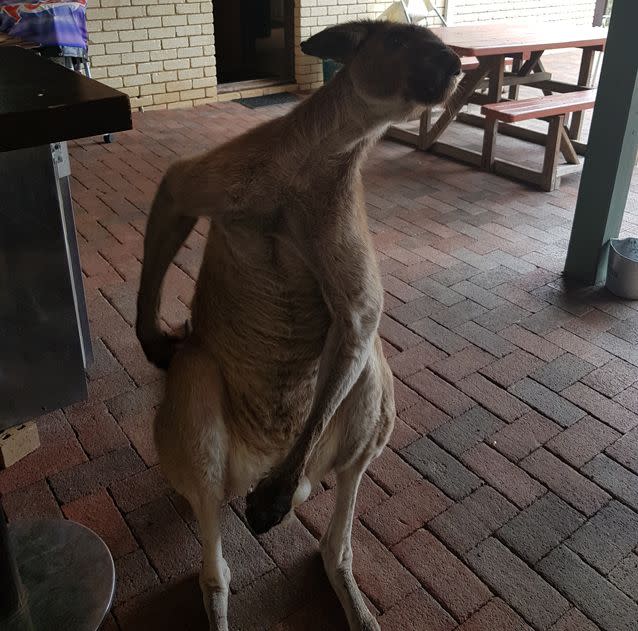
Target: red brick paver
x: 507, y: 499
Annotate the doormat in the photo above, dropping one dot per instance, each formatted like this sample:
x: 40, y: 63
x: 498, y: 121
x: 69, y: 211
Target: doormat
x: 269, y: 99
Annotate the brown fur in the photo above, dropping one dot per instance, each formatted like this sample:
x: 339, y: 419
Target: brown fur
x: 283, y: 378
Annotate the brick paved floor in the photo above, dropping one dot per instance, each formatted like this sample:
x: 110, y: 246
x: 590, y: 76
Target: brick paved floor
x: 508, y: 496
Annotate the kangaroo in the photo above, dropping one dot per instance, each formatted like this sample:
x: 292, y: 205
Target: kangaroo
x: 281, y: 378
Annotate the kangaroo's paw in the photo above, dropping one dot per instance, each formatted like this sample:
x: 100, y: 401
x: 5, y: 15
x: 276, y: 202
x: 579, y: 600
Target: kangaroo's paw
x: 269, y: 502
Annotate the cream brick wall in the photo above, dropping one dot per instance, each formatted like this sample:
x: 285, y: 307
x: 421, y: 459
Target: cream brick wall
x: 160, y: 52
x: 567, y: 11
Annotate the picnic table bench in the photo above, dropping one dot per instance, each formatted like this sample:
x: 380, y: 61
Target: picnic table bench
x: 552, y: 108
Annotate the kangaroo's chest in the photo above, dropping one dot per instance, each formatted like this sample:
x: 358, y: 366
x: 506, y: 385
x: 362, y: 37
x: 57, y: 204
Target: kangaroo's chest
x: 259, y: 309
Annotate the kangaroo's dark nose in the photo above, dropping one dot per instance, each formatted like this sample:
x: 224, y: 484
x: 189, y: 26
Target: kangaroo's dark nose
x: 454, y: 64
x: 455, y: 70
x: 449, y: 62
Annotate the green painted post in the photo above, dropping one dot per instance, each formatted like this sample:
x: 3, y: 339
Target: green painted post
x: 611, y: 153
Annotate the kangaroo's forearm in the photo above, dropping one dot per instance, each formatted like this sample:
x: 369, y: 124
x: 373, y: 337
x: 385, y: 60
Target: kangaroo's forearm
x: 166, y: 231
x: 157, y: 257
x: 343, y: 359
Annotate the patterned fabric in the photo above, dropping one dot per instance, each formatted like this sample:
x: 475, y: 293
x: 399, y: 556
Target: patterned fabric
x: 48, y: 23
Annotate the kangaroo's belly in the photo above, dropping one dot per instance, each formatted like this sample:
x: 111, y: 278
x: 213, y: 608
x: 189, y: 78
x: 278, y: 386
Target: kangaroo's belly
x: 259, y: 311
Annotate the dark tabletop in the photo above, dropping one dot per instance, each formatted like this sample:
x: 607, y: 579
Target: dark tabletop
x: 42, y: 102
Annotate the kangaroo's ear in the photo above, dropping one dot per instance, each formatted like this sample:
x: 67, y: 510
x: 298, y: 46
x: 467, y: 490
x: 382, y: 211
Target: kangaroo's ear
x: 338, y: 42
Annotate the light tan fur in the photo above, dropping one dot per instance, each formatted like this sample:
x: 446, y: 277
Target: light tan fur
x: 283, y: 378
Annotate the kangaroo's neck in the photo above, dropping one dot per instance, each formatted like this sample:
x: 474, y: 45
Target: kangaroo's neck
x: 335, y: 121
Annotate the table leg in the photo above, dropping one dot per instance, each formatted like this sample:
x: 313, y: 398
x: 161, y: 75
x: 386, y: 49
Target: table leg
x: 567, y: 148
x: 584, y: 76
x: 530, y: 64
x: 459, y: 98
x: 424, y: 126
x: 494, y: 94
x: 541, y: 68
x: 517, y: 63
x: 548, y: 177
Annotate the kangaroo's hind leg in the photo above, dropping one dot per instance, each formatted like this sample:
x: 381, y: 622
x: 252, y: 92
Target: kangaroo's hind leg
x: 336, y: 551
x: 364, y: 423
x: 214, y: 578
x: 192, y: 443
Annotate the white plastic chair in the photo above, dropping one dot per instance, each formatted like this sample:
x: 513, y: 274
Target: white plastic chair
x: 411, y: 12
x: 420, y: 10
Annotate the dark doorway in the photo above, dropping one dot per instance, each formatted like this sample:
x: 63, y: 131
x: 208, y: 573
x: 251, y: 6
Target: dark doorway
x: 254, y: 40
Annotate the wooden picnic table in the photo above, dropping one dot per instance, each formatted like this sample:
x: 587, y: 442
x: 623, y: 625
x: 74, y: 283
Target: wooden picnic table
x: 494, y: 46
x: 503, y: 38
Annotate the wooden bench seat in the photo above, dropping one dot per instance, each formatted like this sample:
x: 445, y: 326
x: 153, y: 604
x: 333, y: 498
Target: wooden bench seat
x: 472, y: 63
x: 551, y: 108
x: 541, y: 107
x: 469, y: 63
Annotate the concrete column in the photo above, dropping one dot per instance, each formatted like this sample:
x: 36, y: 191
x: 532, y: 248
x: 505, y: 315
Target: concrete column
x: 611, y: 153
